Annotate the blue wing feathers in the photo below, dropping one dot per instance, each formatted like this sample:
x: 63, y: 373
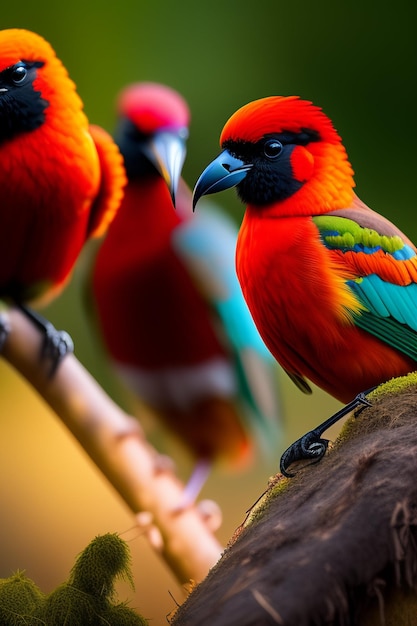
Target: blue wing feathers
x: 387, y: 300
x: 404, y: 253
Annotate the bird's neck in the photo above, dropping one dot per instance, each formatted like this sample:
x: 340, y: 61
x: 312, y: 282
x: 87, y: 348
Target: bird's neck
x: 144, y: 222
x: 148, y: 209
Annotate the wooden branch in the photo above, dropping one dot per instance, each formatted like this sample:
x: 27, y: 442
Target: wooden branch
x: 335, y: 545
x: 115, y: 442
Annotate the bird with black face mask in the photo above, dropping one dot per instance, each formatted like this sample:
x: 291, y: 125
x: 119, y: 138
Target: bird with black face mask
x: 61, y: 180
x: 169, y: 305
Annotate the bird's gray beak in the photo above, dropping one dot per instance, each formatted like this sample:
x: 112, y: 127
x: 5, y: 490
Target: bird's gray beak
x: 167, y: 150
x: 224, y: 172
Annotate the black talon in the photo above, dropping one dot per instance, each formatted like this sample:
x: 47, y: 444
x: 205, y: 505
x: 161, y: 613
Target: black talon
x: 4, y: 329
x: 311, y: 446
x: 56, y: 343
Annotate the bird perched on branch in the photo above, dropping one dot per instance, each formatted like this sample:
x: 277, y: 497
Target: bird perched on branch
x: 169, y: 306
x: 331, y: 284
x: 61, y: 180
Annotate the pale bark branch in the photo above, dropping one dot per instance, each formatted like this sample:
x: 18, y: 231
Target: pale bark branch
x: 116, y: 444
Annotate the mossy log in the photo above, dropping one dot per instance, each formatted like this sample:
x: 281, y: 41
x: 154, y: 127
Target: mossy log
x: 335, y: 545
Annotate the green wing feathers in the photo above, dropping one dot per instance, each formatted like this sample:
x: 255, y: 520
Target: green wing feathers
x: 385, y: 270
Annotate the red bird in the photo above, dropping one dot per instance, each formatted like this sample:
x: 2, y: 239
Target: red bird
x: 61, y: 180
x: 331, y: 284
x: 169, y: 305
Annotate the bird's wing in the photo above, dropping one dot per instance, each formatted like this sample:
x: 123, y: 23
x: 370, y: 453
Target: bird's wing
x: 206, y: 243
x: 112, y: 182
x: 383, y: 265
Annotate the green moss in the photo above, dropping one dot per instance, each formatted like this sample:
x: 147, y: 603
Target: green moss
x: 104, y: 560
x: 277, y: 485
x: 87, y: 597
x: 19, y: 598
x: 70, y: 606
x: 395, y: 385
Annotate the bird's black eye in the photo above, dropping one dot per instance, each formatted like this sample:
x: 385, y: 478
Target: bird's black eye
x: 19, y: 73
x: 272, y: 148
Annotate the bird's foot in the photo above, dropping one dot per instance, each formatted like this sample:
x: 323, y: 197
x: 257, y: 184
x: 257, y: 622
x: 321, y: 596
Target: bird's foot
x: 5, y: 329
x: 309, y: 447
x: 56, y: 343
x: 312, y: 446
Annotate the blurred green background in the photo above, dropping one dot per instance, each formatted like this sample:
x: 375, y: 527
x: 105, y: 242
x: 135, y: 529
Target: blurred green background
x: 357, y: 60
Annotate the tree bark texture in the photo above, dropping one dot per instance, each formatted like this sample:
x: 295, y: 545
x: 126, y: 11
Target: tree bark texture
x: 337, y: 544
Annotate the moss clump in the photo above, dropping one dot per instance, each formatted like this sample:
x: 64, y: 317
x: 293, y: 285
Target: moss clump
x: 97, y: 568
x: 87, y: 598
x: 358, y: 424
x: 19, y: 598
x: 395, y: 385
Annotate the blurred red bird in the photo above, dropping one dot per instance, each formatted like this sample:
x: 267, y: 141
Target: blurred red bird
x: 169, y: 305
x: 61, y: 180
x: 331, y: 284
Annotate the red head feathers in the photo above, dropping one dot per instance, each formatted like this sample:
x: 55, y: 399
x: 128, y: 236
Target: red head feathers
x: 151, y: 106
x: 277, y: 114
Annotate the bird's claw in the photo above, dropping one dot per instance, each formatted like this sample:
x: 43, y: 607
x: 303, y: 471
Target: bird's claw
x: 56, y: 343
x: 5, y: 329
x: 362, y: 400
x: 55, y: 346
x: 309, y: 447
